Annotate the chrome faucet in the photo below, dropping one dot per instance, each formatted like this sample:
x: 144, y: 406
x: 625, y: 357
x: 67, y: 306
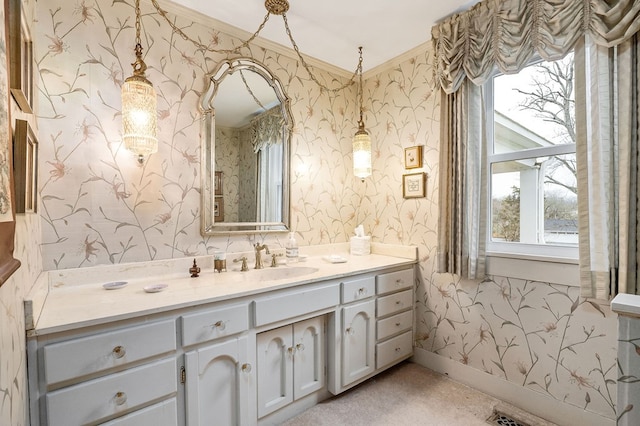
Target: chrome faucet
x: 259, y: 247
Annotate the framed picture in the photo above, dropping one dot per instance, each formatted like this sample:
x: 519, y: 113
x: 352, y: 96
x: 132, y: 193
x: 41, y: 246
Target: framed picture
x: 414, y: 185
x: 8, y: 264
x: 413, y: 157
x: 25, y: 157
x: 218, y: 209
x: 21, y: 62
x: 217, y: 183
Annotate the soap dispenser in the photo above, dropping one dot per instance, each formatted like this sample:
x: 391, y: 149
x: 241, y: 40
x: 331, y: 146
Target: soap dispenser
x: 292, y: 248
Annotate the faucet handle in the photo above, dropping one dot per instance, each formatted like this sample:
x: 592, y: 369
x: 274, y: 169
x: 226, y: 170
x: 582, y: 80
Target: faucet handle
x: 244, y: 266
x: 274, y: 262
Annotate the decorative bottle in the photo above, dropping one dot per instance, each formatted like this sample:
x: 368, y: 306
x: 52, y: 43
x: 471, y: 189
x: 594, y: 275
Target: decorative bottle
x: 292, y: 248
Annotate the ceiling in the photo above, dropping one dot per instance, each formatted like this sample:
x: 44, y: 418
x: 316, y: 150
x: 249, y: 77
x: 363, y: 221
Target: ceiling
x: 332, y: 30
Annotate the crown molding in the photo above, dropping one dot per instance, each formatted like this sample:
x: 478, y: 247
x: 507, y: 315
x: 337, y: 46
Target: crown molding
x: 394, y: 62
x: 207, y: 21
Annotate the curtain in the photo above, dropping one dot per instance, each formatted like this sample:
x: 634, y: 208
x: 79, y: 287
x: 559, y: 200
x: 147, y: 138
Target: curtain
x: 463, y: 183
x: 267, y: 129
x: 505, y: 34
x: 607, y: 116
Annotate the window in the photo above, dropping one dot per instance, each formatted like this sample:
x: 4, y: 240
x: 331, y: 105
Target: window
x: 532, y: 161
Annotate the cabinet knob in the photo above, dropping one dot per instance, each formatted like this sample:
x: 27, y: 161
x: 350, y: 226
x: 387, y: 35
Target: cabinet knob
x: 362, y: 291
x: 246, y: 368
x: 300, y: 347
x: 398, y: 349
x: 120, y: 398
x: 119, y: 351
x: 221, y: 325
x: 291, y: 350
x: 397, y: 324
x: 399, y: 281
x: 350, y: 331
x: 398, y: 302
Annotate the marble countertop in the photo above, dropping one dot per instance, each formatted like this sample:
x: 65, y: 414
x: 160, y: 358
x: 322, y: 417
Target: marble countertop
x: 67, y: 304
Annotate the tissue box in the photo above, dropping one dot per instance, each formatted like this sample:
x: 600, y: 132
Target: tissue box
x: 360, y: 246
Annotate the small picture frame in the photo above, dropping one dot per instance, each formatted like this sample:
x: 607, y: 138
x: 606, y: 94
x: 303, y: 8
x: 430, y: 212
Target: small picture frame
x: 218, y: 209
x: 414, y: 185
x: 413, y: 157
x: 217, y: 183
x: 21, y: 58
x: 25, y: 153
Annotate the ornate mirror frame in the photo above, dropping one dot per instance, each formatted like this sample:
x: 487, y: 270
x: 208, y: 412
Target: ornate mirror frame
x: 208, y: 225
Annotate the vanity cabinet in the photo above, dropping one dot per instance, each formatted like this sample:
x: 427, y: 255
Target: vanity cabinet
x: 101, y: 376
x: 218, y: 382
x: 394, y: 317
x: 290, y: 363
x: 255, y: 357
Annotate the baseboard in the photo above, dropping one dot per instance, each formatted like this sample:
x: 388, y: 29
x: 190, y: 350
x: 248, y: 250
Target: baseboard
x: 533, y: 402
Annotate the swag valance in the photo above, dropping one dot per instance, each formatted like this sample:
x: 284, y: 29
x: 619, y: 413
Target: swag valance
x: 503, y: 35
x: 267, y: 129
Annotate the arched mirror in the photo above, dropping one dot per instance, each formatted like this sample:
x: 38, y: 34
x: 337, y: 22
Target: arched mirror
x: 246, y: 133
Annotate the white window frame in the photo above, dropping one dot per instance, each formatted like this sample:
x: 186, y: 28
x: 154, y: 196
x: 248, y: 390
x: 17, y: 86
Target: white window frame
x: 522, y: 260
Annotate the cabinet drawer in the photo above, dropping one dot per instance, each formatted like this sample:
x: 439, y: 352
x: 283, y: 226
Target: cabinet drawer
x: 295, y: 303
x: 394, y: 325
x: 163, y: 414
x: 359, y: 289
x: 214, y: 323
x: 394, y: 303
x: 394, y: 281
x: 394, y: 350
x: 108, y: 396
x: 93, y: 354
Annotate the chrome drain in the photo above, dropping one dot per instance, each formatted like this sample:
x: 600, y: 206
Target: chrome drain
x: 501, y: 419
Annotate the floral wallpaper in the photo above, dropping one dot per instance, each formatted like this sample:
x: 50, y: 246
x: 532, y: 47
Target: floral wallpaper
x: 541, y: 336
x: 227, y: 162
x: 99, y: 206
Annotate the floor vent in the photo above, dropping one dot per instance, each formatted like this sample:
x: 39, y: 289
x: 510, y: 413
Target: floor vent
x: 501, y: 419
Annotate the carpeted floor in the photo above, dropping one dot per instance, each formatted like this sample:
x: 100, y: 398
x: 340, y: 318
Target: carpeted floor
x: 409, y: 394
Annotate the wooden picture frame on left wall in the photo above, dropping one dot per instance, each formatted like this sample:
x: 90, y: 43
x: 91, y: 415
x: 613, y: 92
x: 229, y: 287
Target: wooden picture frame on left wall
x: 25, y: 167
x: 8, y: 264
x: 21, y: 61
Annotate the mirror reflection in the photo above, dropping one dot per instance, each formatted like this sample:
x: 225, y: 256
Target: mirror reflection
x: 247, y: 126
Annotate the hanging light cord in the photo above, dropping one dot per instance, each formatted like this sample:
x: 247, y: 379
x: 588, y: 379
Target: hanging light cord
x: 360, y: 94
x: 246, y: 85
x: 280, y: 8
x: 139, y: 67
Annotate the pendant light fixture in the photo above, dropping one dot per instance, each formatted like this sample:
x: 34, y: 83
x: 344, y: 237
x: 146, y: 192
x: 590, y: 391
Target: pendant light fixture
x: 139, y: 105
x: 361, y: 140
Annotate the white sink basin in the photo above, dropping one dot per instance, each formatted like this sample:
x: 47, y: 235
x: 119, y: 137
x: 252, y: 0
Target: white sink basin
x: 279, y: 273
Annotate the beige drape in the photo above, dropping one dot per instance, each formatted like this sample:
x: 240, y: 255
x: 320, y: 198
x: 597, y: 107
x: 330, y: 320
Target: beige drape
x: 463, y: 183
x: 505, y: 34
x: 607, y: 116
x: 267, y: 129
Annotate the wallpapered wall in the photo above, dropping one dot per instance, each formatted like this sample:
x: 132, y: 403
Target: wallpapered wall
x: 540, y: 336
x: 99, y: 206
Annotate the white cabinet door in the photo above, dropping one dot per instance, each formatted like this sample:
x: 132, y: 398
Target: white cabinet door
x: 358, y: 341
x: 275, y: 369
x: 308, y: 368
x: 218, y: 381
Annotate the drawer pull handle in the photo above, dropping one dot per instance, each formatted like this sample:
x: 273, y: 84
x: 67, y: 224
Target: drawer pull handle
x: 398, y: 349
x: 362, y: 291
x: 300, y: 347
x: 221, y: 325
x: 120, y: 398
x: 398, y: 302
x: 246, y: 368
x: 399, y: 281
x: 119, y: 351
x: 397, y: 324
